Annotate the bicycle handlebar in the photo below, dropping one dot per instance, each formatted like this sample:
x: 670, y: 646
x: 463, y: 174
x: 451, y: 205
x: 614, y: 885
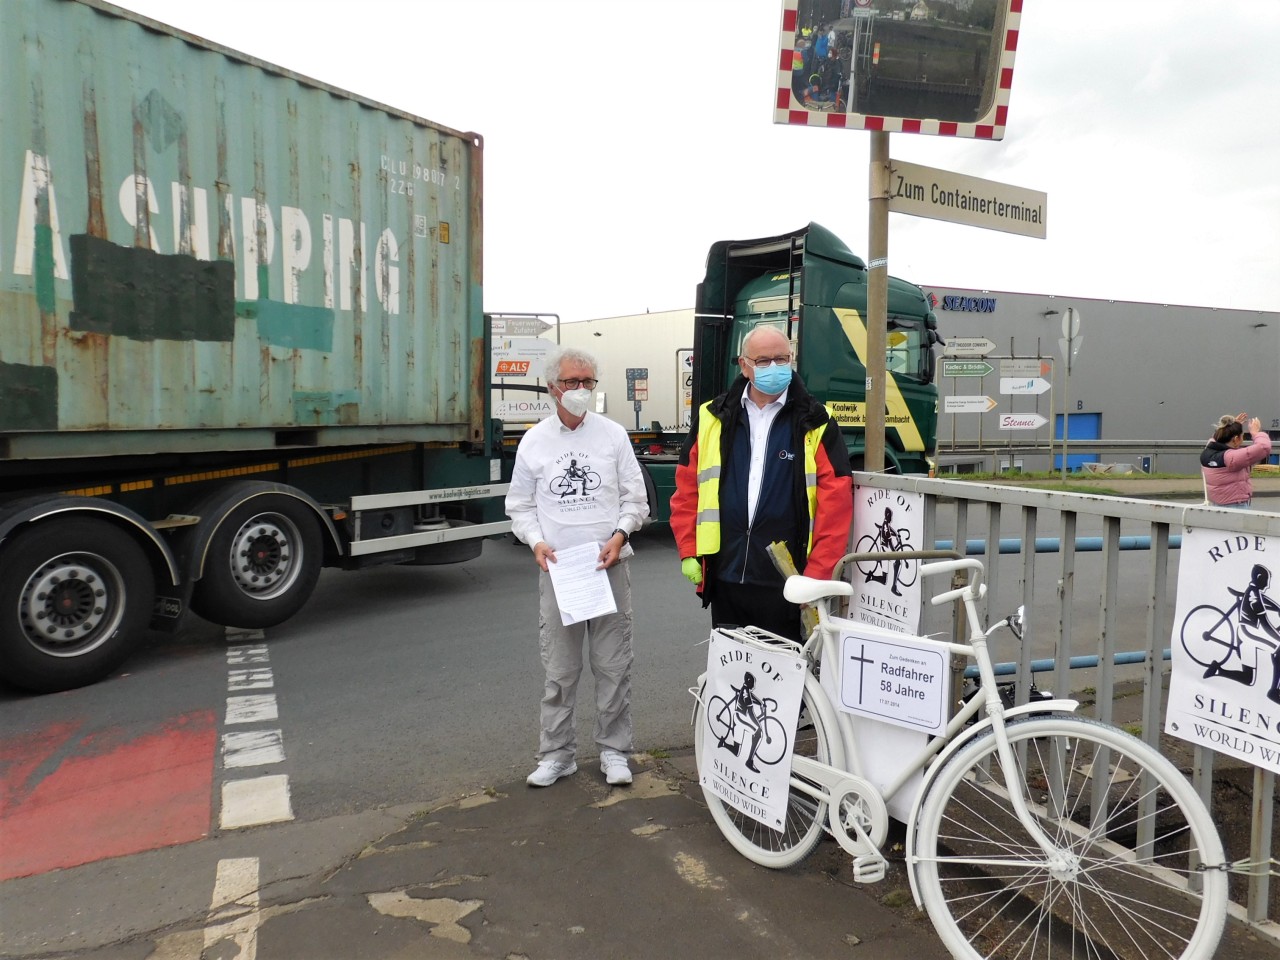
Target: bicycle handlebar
x: 972, y: 589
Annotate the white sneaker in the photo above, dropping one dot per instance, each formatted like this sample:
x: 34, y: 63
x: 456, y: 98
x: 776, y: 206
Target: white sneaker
x: 615, y: 768
x: 549, y: 771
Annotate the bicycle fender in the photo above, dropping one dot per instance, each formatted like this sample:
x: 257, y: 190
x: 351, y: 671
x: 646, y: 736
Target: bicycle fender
x: 975, y: 731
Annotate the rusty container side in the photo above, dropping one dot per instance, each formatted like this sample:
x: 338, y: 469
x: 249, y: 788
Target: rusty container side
x: 202, y: 251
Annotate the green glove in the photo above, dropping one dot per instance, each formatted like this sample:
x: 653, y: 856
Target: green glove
x: 692, y: 570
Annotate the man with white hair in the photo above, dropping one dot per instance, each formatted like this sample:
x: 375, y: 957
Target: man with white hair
x: 576, y: 480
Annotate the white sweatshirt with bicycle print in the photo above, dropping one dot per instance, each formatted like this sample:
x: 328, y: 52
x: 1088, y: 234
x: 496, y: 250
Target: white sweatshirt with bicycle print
x: 576, y: 486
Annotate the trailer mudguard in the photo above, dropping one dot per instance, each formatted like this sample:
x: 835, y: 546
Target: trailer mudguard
x: 28, y: 510
x: 194, y: 547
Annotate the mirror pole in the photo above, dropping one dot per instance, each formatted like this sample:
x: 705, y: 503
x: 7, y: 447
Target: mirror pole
x: 877, y: 301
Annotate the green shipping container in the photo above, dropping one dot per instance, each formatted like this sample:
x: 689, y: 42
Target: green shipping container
x: 200, y: 251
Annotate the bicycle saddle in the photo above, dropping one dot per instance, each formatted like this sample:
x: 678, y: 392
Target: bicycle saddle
x: 806, y: 589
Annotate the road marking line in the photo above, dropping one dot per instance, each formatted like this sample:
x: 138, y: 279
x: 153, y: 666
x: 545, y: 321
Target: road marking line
x: 252, y: 748
x: 249, y: 679
x: 235, y: 903
x: 251, y: 709
x: 248, y: 803
x: 244, y: 653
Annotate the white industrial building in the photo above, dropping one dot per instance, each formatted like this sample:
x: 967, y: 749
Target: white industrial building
x: 1157, y: 374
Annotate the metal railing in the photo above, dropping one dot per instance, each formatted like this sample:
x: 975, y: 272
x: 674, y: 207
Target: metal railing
x: 1118, y: 643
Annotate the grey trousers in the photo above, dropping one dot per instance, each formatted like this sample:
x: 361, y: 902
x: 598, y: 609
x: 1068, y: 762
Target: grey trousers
x: 608, y: 641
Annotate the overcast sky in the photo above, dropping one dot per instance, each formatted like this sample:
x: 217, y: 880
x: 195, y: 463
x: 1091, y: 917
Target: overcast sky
x: 623, y: 138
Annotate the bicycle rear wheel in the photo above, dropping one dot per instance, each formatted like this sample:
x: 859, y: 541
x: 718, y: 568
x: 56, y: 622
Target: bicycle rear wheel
x: 805, y: 818
x: 1207, y: 636
x: 867, y: 544
x: 990, y: 890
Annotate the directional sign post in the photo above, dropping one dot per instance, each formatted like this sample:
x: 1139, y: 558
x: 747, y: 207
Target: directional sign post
x: 1013, y: 385
x: 966, y: 368
x: 1024, y: 368
x: 944, y: 195
x: 1021, y: 421
x: 518, y: 326
x: 967, y: 347
x: 967, y: 404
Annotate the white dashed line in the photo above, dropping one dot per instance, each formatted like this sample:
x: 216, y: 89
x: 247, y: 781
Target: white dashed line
x: 258, y: 800
x: 251, y: 709
x: 248, y: 803
x: 250, y: 679
x: 252, y: 748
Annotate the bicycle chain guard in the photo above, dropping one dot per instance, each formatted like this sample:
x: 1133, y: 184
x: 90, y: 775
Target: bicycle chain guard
x: 859, y: 820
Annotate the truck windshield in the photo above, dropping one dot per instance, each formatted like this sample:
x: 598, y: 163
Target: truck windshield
x: 907, y: 348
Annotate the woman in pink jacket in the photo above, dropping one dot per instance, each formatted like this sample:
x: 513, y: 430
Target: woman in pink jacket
x: 1226, y: 463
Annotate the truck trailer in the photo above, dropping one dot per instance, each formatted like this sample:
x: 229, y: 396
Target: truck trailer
x: 241, y: 339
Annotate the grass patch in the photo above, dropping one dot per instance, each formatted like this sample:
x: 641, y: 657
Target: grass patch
x: 897, y: 898
x: 1104, y: 485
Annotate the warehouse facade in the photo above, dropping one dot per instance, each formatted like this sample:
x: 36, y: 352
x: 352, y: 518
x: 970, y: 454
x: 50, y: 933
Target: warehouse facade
x: 1149, y: 373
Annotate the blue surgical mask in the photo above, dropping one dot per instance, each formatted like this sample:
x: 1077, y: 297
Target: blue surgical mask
x: 773, y: 379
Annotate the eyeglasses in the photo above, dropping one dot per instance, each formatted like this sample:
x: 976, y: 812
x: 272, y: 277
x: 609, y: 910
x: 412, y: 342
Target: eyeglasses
x: 573, y: 383
x: 765, y: 361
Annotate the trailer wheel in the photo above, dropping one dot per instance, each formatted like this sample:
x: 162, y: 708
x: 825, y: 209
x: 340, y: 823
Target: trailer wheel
x: 75, y: 599
x: 262, y: 564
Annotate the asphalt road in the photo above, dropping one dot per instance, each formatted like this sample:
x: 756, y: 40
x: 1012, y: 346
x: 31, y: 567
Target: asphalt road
x: 395, y: 686
x: 396, y: 689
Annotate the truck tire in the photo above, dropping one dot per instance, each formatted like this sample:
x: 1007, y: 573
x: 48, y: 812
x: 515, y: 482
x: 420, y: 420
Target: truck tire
x: 262, y: 565
x: 75, y: 600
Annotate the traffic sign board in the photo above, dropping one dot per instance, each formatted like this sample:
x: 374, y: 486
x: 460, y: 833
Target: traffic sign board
x: 1021, y: 421
x: 926, y: 192
x: 1019, y: 385
x: 967, y: 404
x: 1025, y: 367
x: 518, y: 326
x: 965, y: 368
x: 968, y: 347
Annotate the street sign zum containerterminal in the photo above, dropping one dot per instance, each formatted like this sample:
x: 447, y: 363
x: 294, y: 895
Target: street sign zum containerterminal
x: 967, y: 404
x: 944, y: 195
x: 966, y: 368
x: 967, y: 347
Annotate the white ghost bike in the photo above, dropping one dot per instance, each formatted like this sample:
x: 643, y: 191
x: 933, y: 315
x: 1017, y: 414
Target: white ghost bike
x: 1035, y: 833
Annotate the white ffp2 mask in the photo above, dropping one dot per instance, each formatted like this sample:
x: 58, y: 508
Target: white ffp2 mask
x: 576, y: 401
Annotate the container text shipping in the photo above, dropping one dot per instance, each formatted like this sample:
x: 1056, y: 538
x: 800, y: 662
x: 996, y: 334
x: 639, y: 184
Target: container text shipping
x: 281, y: 243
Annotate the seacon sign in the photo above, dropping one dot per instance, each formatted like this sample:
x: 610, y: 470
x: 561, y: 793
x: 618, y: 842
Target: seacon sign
x: 969, y: 304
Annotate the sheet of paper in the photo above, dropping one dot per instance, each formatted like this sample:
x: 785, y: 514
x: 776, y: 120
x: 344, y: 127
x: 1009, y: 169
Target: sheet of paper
x: 582, y: 591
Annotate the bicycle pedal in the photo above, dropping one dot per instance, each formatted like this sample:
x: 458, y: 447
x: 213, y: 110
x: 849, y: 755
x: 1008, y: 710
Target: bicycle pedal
x: 868, y: 869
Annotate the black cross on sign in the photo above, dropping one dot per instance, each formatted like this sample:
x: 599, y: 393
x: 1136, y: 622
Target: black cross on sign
x: 863, y: 660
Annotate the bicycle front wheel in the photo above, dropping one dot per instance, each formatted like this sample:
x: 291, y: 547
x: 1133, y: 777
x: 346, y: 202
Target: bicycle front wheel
x: 773, y: 741
x: 805, y: 818
x: 1129, y: 833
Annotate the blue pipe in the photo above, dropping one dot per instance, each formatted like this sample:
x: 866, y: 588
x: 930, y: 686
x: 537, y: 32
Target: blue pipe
x: 1050, y: 544
x: 1077, y: 663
